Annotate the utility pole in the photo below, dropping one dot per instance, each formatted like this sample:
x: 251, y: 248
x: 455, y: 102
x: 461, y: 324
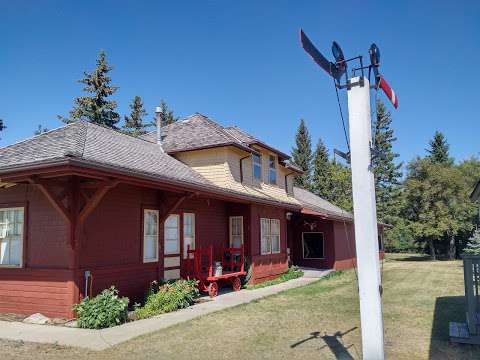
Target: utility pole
x: 365, y: 216
x: 360, y: 157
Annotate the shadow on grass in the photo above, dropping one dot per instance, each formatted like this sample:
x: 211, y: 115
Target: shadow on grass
x: 332, y: 342
x: 447, y: 309
x: 413, y: 258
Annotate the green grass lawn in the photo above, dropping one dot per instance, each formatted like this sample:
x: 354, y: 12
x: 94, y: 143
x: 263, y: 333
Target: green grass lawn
x: 317, y: 321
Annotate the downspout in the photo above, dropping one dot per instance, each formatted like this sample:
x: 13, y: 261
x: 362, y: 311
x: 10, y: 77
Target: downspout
x: 241, y: 168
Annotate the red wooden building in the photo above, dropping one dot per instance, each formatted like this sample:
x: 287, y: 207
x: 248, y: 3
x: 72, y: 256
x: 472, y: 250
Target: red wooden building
x: 84, y: 207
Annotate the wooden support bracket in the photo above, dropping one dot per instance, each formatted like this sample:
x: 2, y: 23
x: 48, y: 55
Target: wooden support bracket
x: 53, y: 199
x: 174, y: 206
x: 93, y: 201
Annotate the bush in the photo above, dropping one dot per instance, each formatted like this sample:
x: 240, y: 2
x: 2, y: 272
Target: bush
x: 169, y: 297
x: 105, y: 310
x: 293, y: 272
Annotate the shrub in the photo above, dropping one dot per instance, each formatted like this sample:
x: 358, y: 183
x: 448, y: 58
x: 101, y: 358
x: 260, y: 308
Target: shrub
x: 293, y: 272
x: 169, y: 297
x: 106, y: 309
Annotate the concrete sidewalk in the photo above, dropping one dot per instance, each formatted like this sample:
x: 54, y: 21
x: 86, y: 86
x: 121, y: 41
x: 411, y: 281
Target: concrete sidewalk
x: 102, y: 339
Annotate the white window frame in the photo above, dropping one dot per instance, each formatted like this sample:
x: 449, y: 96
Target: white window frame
x: 272, y: 159
x: 4, y: 238
x: 188, y: 239
x: 323, y: 245
x: 269, y: 236
x: 272, y: 221
x: 230, y: 227
x: 165, y: 235
x: 257, y: 164
x: 145, y: 260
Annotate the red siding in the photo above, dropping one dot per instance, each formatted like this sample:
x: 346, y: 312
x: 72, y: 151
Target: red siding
x: 266, y: 267
x: 44, y: 284
x: 313, y: 224
x: 26, y: 291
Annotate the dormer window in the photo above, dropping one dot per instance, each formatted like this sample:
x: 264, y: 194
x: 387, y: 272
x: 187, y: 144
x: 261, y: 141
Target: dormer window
x: 272, y: 170
x: 257, y: 166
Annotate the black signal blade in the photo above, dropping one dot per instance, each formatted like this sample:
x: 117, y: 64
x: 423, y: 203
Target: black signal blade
x: 311, y: 50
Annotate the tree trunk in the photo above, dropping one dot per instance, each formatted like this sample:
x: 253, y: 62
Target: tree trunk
x: 452, y: 248
x: 432, y: 249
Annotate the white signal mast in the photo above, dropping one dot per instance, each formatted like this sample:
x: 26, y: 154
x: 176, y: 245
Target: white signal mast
x: 360, y: 157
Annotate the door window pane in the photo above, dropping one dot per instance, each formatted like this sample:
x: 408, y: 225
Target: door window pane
x: 188, y: 232
x: 171, y: 235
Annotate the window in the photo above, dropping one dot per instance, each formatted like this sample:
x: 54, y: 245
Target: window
x: 257, y: 166
x: 188, y: 232
x: 269, y: 236
x: 272, y: 169
x: 150, y: 235
x: 313, y: 245
x: 172, y: 235
x: 11, y: 236
x: 236, y: 231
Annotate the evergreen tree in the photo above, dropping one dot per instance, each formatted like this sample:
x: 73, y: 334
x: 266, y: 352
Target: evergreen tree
x: 96, y: 108
x: 134, y: 122
x: 40, y: 130
x: 438, y: 151
x: 387, y: 173
x: 166, y: 115
x: 302, y: 155
x: 473, y: 246
x: 321, y: 181
x: 2, y: 125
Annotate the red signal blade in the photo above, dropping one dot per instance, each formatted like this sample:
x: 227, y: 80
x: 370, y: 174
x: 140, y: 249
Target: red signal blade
x: 387, y: 89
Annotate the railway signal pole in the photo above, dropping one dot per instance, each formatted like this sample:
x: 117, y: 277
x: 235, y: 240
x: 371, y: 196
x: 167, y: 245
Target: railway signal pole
x: 363, y: 185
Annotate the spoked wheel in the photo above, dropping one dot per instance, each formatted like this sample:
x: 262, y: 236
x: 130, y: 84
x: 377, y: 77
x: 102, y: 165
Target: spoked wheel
x: 236, y: 284
x: 213, y: 289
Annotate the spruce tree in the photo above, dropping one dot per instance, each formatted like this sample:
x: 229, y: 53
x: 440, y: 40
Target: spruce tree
x: 473, y: 245
x: 302, y: 155
x: 387, y: 173
x: 439, y: 149
x: 166, y: 115
x: 134, y: 122
x: 96, y: 108
x: 321, y: 181
x: 2, y: 125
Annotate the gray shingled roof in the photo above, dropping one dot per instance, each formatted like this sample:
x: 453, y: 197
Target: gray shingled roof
x: 198, y: 132
x: 97, y: 146
x: 194, y: 132
x: 313, y: 202
x: 475, y: 195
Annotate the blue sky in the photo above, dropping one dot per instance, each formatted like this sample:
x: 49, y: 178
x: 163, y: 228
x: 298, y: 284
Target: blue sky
x: 240, y: 62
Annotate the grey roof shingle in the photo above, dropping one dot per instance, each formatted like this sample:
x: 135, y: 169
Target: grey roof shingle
x: 99, y: 145
x: 194, y: 132
x: 313, y: 202
x: 198, y: 132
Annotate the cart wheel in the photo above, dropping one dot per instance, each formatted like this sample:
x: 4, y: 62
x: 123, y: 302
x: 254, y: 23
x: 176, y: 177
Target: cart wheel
x: 236, y: 284
x: 213, y: 289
